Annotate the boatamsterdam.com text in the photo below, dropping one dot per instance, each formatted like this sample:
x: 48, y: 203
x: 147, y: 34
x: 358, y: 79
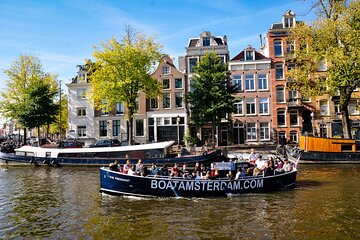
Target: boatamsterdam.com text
x: 207, y: 185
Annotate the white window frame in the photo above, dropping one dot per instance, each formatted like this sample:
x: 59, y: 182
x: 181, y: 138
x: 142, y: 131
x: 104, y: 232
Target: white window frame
x: 277, y: 45
x: 294, y: 112
x: 82, y: 112
x: 182, y: 83
x: 264, y: 131
x: 239, y: 107
x: 249, y: 82
x: 81, y: 131
x: 119, y: 109
x: 277, y: 117
x: 278, y: 100
x: 251, y: 135
x: 237, y: 81
x: 264, y: 102
x: 251, y: 101
x: 324, y: 108
x: 263, y: 80
x: 163, y: 105
x: 163, y: 85
x: 166, y: 70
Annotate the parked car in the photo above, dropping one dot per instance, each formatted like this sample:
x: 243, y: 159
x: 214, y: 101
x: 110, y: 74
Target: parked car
x: 106, y: 143
x: 71, y: 144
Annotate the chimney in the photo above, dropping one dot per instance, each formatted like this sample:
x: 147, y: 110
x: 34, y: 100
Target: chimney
x: 225, y: 40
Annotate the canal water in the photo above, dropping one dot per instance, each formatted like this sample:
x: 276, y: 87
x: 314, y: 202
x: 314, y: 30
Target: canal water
x: 65, y: 203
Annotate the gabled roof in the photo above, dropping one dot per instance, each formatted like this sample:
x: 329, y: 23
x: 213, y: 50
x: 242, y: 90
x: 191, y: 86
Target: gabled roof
x: 241, y: 55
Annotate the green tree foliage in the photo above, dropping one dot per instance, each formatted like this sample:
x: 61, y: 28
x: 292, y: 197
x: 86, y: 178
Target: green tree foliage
x: 25, y: 77
x: 63, y: 122
x: 212, y: 96
x: 40, y: 110
x: 333, y: 40
x: 122, y: 70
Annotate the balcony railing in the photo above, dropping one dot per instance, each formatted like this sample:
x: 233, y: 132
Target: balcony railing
x: 294, y: 102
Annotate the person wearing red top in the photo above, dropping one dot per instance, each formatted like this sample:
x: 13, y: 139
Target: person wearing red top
x: 174, y: 171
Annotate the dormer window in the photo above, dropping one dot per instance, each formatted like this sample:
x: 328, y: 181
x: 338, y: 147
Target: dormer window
x: 288, y: 22
x: 249, y: 55
x: 206, y: 41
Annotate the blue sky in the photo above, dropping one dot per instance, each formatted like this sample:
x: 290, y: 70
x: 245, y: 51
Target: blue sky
x: 62, y: 33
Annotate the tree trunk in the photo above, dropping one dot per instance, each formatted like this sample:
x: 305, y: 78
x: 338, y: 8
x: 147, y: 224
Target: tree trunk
x: 38, y: 133
x: 24, y: 140
x: 346, y: 124
x: 213, y: 139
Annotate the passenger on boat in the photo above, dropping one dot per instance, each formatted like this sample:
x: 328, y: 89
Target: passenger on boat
x: 270, y: 168
x: 114, y: 166
x: 239, y: 174
x: 279, y: 166
x: 127, y: 167
x: 139, y: 167
x: 260, y: 163
x: 164, y: 171
x: 207, y: 175
x: 144, y: 171
x: 175, y: 171
x: 154, y: 170
x: 252, y: 156
x: 230, y: 175
x: 257, y: 171
x: 203, y: 170
x: 197, y: 169
x: 185, y: 171
x: 287, y: 166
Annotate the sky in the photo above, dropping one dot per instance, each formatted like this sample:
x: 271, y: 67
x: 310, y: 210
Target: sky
x: 63, y: 33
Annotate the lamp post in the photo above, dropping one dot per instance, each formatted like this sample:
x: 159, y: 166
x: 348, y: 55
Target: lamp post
x: 178, y: 129
x: 60, y: 130
x: 312, y: 122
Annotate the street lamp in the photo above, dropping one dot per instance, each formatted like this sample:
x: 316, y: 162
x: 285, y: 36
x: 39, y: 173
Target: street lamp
x: 312, y: 122
x: 178, y: 129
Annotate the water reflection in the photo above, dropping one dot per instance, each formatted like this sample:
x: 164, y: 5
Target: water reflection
x: 64, y: 203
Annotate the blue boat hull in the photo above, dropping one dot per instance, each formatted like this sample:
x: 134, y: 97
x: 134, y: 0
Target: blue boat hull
x: 116, y: 183
x: 11, y: 159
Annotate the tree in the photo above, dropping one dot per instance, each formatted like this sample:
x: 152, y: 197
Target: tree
x: 60, y: 125
x: 41, y: 110
x: 122, y: 69
x: 24, y: 76
x: 212, y: 96
x: 333, y: 40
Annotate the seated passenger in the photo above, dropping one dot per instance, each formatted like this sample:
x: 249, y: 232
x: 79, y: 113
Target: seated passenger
x: 257, y: 171
x: 260, y: 163
x: 239, y: 174
x: 139, y: 167
x: 249, y: 171
x: 144, y: 171
x: 287, y: 166
x: 174, y: 171
x: 154, y: 170
x: 230, y: 175
x: 269, y: 169
x: 127, y: 167
x: 164, y: 171
x: 197, y: 169
x: 207, y: 175
x: 185, y: 172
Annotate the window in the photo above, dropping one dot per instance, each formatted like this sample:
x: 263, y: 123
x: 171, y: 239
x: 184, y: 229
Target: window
x: 166, y: 83
x: 82, y: 77
x: 294, y: 118
x: 251, y: 131
x: 280, y: 94
x: 353, y: 107
x: 293, y: 97
x: 239, y: 107
x: 293, y: 137
x: 281, y: 117
x: 237, y: 81
x: 137, y: 105
x: 282, y: 135
x: 288, y: 22
x: 80, y: 94
x: 262, y: 82
x: 166, y: 100
x: 290, y: 47
x: 154, y: 103
x: 279, y: 71
x: 104, y: 112
x: 165, y: 70
x: 278, y: 48
x: 206, y: 41
x: 119, y: 108
x: 290, y: 67
x: 249, y: 55
x: 324, y: 108
x: 264, y: 131
x: 116, y: 127
x: 139, y: 127
x: 179, y: 99
x: 178, y: 83
x: 81, y: 131
x: 102, y: 128
x: 337, y: 109
x: 81, y: 112
x: 192, y: 64
x: 263, y: 106
x: 250, y: 106
x: 249, y: 82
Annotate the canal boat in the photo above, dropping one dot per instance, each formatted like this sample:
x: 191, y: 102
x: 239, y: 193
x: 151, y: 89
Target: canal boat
x: 117, y: 183
x: 325, y: 150
x: 160, y: 153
